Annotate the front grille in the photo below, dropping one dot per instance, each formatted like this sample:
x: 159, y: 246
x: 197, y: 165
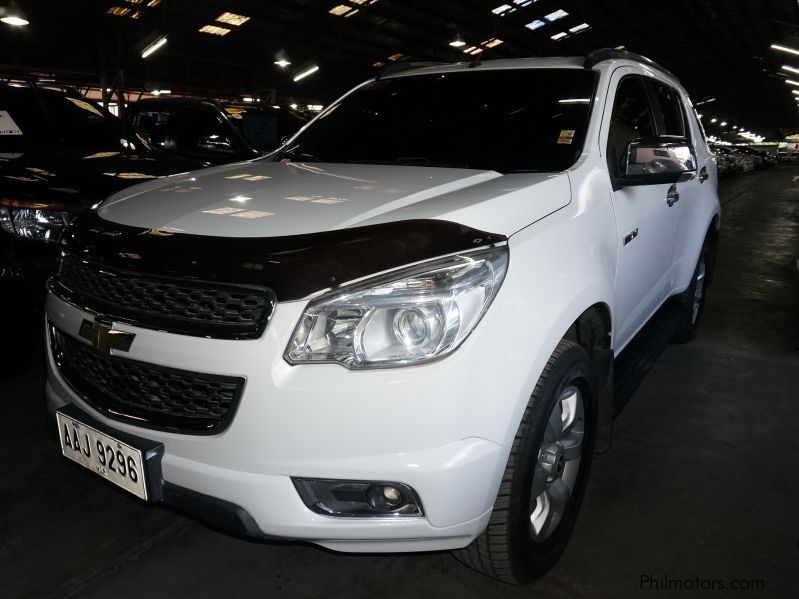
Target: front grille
x: 144, y: 394
x: 176, y: 305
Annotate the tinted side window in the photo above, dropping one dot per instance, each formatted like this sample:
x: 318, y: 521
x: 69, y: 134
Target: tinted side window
x: 156, y: 126
x: 631, y: 120
x: 671, y: 108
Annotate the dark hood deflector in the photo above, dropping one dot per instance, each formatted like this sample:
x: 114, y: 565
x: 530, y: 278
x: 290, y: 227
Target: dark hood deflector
x: 292, y: 266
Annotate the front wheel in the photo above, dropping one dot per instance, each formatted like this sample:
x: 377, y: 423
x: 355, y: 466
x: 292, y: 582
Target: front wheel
x: 546, y: 474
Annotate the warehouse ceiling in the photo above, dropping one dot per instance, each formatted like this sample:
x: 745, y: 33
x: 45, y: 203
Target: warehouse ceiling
x: 720, y: 50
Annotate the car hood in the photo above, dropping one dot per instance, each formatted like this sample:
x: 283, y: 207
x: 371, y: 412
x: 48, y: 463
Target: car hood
x: 78, y: 178
x: 260, y: 198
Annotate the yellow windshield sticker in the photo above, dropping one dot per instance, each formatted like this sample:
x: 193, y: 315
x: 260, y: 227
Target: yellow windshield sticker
x: 566, y: 136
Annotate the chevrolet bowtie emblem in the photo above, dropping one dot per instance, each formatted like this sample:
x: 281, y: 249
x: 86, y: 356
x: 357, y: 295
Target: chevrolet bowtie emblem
x: 105, y: 338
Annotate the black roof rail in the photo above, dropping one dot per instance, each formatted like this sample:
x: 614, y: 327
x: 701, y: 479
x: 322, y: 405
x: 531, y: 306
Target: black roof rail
x: 604, y: 54
x: 400, y: 67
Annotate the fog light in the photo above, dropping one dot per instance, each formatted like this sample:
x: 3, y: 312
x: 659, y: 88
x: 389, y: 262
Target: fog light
x: 385, y: 497
x: 358, y: 498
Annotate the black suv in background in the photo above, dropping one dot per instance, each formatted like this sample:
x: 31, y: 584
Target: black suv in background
x: 59, y: 154
x: 209, y: 131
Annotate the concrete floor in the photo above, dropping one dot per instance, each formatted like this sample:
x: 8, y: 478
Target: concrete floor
x: 702, y: 480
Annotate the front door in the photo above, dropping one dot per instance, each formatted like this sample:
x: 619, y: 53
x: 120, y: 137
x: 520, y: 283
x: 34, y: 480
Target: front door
x: 644, y: 219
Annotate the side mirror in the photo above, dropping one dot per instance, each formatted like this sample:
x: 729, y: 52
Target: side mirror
x: 657, y: 161
x: 215, y: 143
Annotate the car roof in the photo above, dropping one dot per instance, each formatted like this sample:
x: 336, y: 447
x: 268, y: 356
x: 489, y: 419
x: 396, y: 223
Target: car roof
x: 595, y: 60
x: 573, y: 62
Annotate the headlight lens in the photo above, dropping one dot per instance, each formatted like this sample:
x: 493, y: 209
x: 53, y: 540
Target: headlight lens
x: 408, y: 317
x: 32, y: 221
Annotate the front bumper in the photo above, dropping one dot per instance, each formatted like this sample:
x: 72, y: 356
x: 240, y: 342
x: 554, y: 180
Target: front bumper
x: 426, y: 426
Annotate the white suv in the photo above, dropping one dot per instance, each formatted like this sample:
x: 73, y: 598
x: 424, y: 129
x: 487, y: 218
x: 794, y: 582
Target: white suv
x: 396, y: 333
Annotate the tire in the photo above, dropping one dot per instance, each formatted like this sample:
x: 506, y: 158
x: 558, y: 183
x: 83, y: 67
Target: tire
x: 518, y: 545
x: 692, y: 301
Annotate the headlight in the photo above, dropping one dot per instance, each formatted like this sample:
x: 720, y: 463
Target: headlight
x: 33, y: 220
x: 407, y: 317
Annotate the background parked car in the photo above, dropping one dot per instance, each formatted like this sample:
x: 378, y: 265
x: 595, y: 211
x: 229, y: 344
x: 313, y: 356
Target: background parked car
x: 732, y: 160
x: 211, y: 132
x: 61, y: 154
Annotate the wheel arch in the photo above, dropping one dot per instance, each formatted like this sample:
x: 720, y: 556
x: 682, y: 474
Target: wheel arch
x: 593, y: 331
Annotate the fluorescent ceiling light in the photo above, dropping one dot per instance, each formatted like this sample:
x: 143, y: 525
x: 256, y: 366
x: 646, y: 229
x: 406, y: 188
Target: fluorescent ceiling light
x: 703, y: 102
x: 554, y: 16
x: 214, y: 30
x: 232, y: 18
x: 574, y: 101
x: 501, y: 9
x: 713, y: 120
x: 533, y: 25
x: 523, y: 3
x: 795, y: 91
x: 723, y: 124
x: 580, y: 27
x: 457, y: 42
x: 160, y: 92
x: 396, y: 57
x: 247, y: 99
x: 305, y: 73
x: 559, y: 36
x: 785, y: 67
x: 792, y: 82
x: 15, y: 20
x: 282, y: 63
x: 784, y: 49
x: 153, y: 47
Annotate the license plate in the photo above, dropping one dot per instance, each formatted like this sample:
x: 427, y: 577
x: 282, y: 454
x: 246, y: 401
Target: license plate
x: 114, y: 460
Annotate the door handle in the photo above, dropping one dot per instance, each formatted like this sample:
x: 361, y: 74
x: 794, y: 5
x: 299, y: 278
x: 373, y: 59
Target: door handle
x: 672, y: 196
x: 703, y: 176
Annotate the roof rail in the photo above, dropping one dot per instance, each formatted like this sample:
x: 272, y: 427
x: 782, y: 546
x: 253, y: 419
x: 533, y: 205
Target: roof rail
x: 604, y: 54
x: 399, y: 67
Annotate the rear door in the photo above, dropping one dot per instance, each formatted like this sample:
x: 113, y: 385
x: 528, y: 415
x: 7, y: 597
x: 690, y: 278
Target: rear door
x: 644, y: 219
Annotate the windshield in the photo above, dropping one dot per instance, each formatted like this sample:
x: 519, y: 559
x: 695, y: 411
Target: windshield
x: 43, y: 119
x: 501, y: 120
